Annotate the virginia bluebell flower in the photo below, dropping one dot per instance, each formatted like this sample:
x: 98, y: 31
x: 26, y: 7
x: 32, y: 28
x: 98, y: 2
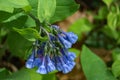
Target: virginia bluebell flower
x: 42, y: 67
x: 50, y: 66
x: 66, y: 43
x: 71, y: 37
x: 71, y: 55
x: 31, y: 60
x: 53, y: 54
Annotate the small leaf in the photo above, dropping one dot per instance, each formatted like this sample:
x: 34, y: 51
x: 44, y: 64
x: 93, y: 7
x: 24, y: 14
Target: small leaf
x: 116, y: 68
x: 76, y: 51
x: 118, y: 18
x: 108, y: 2
x: 94, y: 68
x: 29, y: 33
x: 27, y: 9
x: 46, y: 9
x: 37, y: 76
x: 112, y: 20
x: 30, y: 22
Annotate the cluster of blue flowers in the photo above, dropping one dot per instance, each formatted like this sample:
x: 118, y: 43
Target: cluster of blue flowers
x: 53, y: 54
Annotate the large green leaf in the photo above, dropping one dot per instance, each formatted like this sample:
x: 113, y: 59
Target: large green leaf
x: 64, y: 8
x: 18, y: 45
x: 46, y: 9
x: 94, y: 68
x: 9, y: 5
x: 81, y: 26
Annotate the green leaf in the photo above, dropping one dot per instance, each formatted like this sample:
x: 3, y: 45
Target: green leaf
x: 76, y: 51
x: 18, y: 45
x: 102, y: 13
x: 112, y: 20
x: 21, y: 74
x: 15, y: 21
x: 116, y: 68
x: 18, y: 3
x: 29, y: 33
x: 116, y: 54
x: 112, y: 33
x: 108, y: 2
x: 4, y: 15
x: 64, y: 9
x: 36, y: 76
x: 118, y: 19
x: 3, y: 73
x: 8, y: 17
x: 14, y: 17
x: 81, y: 26
x: 34, y: 5
x: 9, y: 5
x: 46, y: 9
x: 30, y: 22
x: 5, y: 6
x: 94, y: 68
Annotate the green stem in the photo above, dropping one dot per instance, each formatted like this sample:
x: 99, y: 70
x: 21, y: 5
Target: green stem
x: 40, y: 25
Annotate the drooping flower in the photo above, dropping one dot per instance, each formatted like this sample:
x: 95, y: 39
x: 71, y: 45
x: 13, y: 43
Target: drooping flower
x: 53, y: 54
x: 71, y: 55
x: 66, y: 43
x: 42, y: 68
x: 65, y: 68
x: 50, y: 66
x: 58, y: 64
x: 30, y: 61
x: 71, y: 37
